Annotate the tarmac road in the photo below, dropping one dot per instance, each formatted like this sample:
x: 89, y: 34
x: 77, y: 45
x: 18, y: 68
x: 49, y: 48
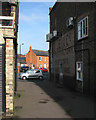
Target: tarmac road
x: 43, y: 99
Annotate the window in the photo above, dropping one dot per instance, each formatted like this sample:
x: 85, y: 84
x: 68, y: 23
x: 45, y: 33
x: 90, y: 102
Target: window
x: 83, y: 28
x: 45, y: 58
x: 33, y: 65
x: 39, y: 58
x: 38, y: 71
x: 40, y: 65
x: 79, y: 70
x: 18, y: 64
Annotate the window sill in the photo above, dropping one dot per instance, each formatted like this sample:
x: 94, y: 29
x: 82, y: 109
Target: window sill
x: 79, y: 80
x: 83, y: 38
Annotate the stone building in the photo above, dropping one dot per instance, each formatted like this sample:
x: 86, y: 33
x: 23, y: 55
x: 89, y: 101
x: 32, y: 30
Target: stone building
x: 72, y: 45
x: 8, y: 55
x: 37, y: 59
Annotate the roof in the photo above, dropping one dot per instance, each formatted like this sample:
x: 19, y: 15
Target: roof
x: 21, y: 60
x: 40, y: 52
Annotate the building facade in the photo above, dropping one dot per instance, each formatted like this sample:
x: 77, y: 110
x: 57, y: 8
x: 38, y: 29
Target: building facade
x: 37, y: 59
x: 8, y: 48
x: 21, y: 61
x: 72, y: 45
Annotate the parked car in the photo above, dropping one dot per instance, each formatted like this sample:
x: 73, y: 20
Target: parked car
x: 44, y: 69
x: 24, y: 68
x: 33, y: 73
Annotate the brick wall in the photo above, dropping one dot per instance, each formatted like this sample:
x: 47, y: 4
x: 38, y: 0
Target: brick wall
x: 31, y: 58
x: 67, y: 50
x: 9, y: 76
x: 62, y: 48
x: 43, y: 61
x: 87, y: 52
x: 8, y: 36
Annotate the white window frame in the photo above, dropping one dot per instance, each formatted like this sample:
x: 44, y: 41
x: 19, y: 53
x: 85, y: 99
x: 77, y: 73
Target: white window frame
x: 83, y: 28
x: 79, y: 70
x: 40, y: 66
x: 39, y: 58
x: 45, y: 58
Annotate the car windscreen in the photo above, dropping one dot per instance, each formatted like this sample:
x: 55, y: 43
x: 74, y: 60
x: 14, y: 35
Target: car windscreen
x: 36, y: 71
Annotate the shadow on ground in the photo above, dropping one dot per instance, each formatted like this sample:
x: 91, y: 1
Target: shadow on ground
x: 74, y: 103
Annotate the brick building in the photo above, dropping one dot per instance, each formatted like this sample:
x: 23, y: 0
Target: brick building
x: 21, y: 61
x: 37, y: 59
x: 8, y: 55
x: 72, y: 45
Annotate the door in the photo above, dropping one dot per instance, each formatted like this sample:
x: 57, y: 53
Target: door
x: 34, y: 74
x: 2, y: 80
x: 44, y: 65
x: 33, y: 66
x: 30, y: 74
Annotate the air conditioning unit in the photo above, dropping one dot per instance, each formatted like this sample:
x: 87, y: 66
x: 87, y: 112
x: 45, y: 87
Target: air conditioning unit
x: 54, y: 33
x: 70, y: 21
x: 48, y: 37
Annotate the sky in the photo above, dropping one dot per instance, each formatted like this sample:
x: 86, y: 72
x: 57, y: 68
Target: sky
x: 33, y: 25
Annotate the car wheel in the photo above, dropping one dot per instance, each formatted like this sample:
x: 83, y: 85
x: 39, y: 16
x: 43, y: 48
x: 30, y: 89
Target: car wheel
x: 24, y: 78
x: 40, y: 77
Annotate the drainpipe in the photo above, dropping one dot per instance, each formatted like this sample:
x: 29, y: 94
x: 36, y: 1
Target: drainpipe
x: 54, y: 67
x: 82, y: 63
x: 50, y: 61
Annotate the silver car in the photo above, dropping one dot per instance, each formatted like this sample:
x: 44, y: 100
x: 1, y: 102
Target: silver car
x: 33, y: 73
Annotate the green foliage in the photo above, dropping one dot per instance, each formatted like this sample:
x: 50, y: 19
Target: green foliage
x: 18, y: 95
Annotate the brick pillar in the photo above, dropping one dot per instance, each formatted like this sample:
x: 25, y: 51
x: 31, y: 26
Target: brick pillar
x: 9, y: 77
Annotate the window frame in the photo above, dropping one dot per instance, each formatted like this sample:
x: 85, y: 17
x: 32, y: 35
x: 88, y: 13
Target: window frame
x: 39, y: 59
x: 81, y: 71
x: 45, y: 58
x: 83, y: 28
x: 46, y: 65
x: 40, y: 65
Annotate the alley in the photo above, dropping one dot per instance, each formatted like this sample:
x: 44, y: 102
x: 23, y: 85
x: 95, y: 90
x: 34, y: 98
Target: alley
x: 42, y: 99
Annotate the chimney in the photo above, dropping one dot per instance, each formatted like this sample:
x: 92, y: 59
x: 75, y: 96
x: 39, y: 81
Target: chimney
x: 30, y: 48
x: 50, y: 9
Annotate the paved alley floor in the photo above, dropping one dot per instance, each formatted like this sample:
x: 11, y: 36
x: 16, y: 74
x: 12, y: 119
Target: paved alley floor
x: 42, y: 99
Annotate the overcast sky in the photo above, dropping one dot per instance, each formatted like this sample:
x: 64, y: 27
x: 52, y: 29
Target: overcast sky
x: 33, y: 25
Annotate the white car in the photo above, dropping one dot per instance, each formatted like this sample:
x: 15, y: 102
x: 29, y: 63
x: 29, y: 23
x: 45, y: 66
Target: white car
x: 33, y: 73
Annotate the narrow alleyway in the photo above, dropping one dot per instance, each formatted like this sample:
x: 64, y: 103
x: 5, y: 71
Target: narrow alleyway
x: 42, y: 99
